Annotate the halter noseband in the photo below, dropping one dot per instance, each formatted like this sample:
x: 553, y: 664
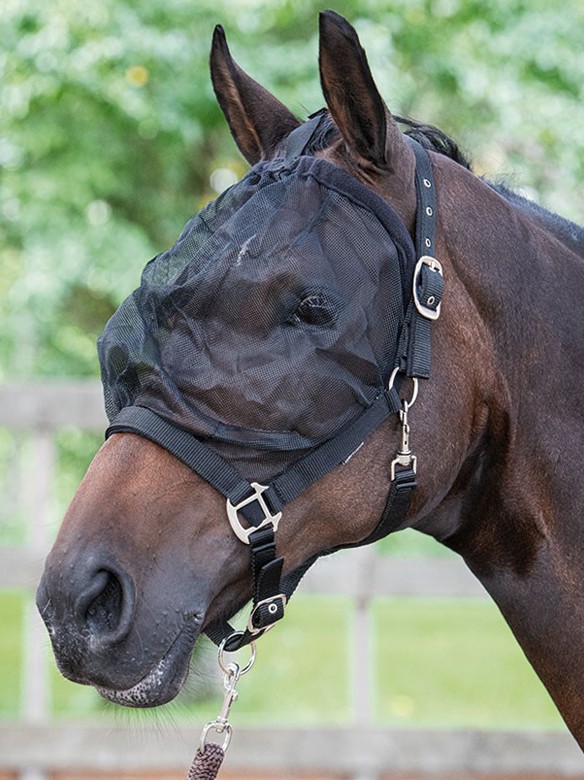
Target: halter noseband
x: 261, y: 505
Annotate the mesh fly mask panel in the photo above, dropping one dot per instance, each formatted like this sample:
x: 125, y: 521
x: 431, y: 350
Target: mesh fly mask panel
x: 272, y: 323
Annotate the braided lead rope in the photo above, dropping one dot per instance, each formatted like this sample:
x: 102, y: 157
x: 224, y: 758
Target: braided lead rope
x: 207, y: 762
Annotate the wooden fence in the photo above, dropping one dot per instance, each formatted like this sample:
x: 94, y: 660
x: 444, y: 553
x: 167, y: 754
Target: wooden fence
x: 35, y: 748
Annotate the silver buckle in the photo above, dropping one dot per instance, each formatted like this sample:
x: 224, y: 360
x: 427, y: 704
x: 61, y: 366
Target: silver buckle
x: 242, y: 533
x: 272, y: 602
x: 434, y: 265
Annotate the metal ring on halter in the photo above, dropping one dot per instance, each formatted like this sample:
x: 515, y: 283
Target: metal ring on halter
x: 221, y: 655
x: 412, y: 401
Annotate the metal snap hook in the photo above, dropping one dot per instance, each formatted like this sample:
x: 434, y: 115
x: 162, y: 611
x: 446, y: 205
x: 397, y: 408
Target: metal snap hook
x: 404, y: 457
x: 232, y: 672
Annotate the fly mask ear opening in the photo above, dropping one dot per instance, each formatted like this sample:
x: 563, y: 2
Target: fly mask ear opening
x: 258, y: 121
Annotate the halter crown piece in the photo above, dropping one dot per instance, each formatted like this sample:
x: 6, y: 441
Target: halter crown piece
x: 255, y: 508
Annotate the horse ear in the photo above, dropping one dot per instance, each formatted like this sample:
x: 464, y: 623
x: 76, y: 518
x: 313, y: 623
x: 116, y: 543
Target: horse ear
x: 353, y: 100
x: 257, y: 120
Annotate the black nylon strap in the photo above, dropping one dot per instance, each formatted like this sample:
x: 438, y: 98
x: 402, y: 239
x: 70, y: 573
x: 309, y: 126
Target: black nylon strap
x: 224, y: 478
x: 219, y: 630
x: 430, y: 288
x: 184, y: 446
x: 268, y: 598
x: 312, y: 467
x: 416, y: 345
x: 396, y: 506
x: 414, y: 348
x: 425, y: 201
x: 266, y: 567
x: 292, y: 579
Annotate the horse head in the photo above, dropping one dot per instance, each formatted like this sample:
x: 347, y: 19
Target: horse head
x: 269, y: 329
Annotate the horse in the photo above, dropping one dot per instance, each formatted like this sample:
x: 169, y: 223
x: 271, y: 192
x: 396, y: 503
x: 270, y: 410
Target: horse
x: 146, y: 559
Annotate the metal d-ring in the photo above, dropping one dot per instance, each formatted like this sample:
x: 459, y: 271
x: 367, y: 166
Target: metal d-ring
x: 412, y: 401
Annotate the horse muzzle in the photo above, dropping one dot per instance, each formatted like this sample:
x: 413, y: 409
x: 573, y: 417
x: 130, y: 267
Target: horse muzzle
x: 89, y: 606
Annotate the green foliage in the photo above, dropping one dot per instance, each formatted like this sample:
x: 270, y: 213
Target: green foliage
x: 109, y: 131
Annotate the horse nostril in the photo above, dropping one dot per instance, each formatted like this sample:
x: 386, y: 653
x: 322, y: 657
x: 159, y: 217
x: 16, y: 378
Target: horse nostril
x: 105, y: 607
x: 103, y: 613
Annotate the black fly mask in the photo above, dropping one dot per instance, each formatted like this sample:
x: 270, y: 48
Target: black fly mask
x: 265, y: 343
x: 272, y: 322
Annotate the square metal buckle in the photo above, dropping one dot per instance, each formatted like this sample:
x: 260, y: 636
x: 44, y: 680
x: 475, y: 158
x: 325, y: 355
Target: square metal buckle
x: 239, y: 530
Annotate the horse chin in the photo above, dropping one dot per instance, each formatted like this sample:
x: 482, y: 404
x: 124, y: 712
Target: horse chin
x: 164, y: 680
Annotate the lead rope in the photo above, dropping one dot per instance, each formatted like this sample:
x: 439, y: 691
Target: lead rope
x: 207, y: 762
x: 210, y: 755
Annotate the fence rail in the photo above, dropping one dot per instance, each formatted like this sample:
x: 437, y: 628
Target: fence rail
x: 33, y: 747
x: 350, y: 751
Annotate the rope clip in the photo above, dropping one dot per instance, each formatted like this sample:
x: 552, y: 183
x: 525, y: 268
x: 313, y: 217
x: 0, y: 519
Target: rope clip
x: 404, y: 458
x: 231, y: 674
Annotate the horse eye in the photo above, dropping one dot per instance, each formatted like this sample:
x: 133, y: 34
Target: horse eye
x: 314, y: 309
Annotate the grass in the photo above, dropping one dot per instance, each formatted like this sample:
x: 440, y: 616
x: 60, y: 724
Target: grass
x: 453, y: 663
x: 410, y: 542
x: 11, y: 626
x: 436, y: 663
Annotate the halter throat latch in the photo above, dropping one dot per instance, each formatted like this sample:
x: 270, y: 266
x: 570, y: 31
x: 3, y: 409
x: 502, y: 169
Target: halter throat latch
x: 268, y: 599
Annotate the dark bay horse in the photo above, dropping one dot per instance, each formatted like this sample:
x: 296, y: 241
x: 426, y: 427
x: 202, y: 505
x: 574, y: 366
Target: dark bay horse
x: 145, y: 559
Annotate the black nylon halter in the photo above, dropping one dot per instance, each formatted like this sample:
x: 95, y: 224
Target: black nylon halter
x: 261, y: 505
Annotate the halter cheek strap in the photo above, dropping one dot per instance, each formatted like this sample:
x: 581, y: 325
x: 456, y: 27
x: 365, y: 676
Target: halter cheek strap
x: 428, y: 281
x: 254, y: 510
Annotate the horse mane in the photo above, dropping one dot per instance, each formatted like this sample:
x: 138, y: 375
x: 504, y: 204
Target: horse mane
x: 435, y: 140
x: 428, y: 136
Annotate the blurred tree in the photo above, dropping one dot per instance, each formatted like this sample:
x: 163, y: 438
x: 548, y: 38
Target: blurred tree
x: 110, y: 137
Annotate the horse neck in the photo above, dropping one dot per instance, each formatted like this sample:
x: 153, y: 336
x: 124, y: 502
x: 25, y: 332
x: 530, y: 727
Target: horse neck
x: 526, y: 287
x: 511, y: 333
x: 519, y: 506
x: 525, y: 278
